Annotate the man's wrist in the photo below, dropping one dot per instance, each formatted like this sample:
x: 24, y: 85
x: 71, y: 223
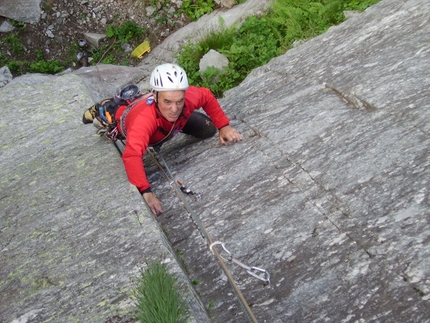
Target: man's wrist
x: 223, y: 126
x: 148, y: 190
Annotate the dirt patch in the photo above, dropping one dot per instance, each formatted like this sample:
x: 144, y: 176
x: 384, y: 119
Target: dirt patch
x: 64, y: 22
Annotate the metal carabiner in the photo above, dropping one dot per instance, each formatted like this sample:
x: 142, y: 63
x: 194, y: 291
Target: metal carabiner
x: 256, y: 272
x: 264, y: 277
x: 225, y: 249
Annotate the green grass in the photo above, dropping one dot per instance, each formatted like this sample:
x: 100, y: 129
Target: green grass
x: 157, y: 297
x: 197, y: 8
x: 259, y: 39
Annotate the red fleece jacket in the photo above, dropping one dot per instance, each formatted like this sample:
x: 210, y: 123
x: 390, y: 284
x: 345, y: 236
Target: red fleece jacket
x: 146, y: 126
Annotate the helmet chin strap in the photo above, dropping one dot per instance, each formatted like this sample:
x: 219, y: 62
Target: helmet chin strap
x: 156, y: 101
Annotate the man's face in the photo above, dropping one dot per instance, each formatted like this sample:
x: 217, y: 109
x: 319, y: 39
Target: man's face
x: 171, y: 104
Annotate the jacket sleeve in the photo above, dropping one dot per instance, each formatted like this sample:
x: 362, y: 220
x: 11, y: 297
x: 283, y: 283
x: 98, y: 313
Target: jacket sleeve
x: 138, y: 137
x: 203, y: 98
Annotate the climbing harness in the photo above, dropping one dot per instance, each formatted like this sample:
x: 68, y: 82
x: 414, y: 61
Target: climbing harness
x: 256, y: 272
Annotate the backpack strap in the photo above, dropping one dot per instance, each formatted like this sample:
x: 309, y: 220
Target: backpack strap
x: 127, y: 111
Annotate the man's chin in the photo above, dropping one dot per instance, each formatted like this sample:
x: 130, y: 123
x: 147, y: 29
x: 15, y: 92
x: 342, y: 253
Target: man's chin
x: 172, y: 119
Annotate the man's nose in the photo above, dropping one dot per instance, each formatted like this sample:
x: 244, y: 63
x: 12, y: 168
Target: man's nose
x: 176, y: 107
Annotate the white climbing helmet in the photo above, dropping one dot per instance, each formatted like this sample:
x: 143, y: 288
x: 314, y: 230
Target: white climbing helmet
x: 168, y: 77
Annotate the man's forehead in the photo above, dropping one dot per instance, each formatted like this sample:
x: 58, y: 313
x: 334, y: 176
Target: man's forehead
x: 171, y: 95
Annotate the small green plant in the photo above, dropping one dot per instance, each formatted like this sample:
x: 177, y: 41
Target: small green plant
x: 218, y: 80
x: 196, y: 282
x: 161, y: 19
x: 3, y: 58
x: 18, y: 67
x: 184, y: 265
x: 45, y: 67
x: 157, y: 297
x: 359, y: 4
x: 197, y: 8
x: 14, y: 43
x: 38, y: 66
x: 211, y: 304
x: 127, y: 31
x: 109, y: 59
x: 18, y: 24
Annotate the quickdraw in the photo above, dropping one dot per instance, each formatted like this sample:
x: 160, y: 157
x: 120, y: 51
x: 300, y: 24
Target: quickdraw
x: 187, y: 191
x: 181, y: 190
x: 256, y: 272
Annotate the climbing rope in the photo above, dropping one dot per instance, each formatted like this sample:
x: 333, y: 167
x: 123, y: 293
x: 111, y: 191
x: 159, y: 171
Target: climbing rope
x: 180, y: 191
x: 264, y: 275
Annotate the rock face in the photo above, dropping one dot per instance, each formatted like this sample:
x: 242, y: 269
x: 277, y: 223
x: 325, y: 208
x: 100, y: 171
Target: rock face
x: 329, y: 190
x: 21, y: 10
x: 71, y: 242
x: 5, y: 76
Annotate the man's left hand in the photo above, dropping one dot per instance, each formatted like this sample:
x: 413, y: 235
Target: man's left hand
x: 228, y: 133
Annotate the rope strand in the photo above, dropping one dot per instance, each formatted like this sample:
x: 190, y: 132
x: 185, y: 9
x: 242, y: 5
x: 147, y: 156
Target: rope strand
x: 156, y: 155
x: 203, y: 231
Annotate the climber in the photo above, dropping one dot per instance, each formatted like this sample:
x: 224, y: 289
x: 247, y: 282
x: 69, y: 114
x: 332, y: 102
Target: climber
x: 151, y: 119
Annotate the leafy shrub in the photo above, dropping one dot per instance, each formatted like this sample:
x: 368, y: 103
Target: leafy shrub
x: 14, y: 43
x: 18, y: 67
x: 126, y: 32
x: 250, y: 46
x: 38, y: 66
x: 197, y: 8
x: 191, y: 53
x: 260, y: 39
x: 45, y: 67
x: 256, y: 42
x: 306, y: 18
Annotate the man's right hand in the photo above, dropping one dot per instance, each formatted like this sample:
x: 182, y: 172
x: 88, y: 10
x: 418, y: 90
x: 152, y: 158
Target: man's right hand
x: 153, y: 203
